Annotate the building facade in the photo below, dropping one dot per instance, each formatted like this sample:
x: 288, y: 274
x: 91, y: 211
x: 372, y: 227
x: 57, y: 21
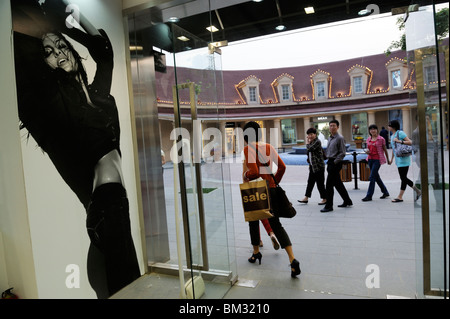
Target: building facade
x: 357, y: 92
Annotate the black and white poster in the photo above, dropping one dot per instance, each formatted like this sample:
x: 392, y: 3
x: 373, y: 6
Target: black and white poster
x: 71, y: 113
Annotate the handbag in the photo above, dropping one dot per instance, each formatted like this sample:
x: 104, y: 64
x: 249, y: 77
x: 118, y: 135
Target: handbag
x: 255, y: 200
x: 402, y: 150
x: 280, y: 203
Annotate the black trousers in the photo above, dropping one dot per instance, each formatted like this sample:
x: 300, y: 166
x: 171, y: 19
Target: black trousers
x: 316, y: 178
x: 112, y: 260
x: 403, y: 172
x: 277, y: 228
x: 334, y: 181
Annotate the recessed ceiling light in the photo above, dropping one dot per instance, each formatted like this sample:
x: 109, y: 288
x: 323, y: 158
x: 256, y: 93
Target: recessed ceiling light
x: 183, y: 38
x: 173, y: 19
x: 212, y: 29
x: 257, y: 0
x: 309, y: 10
x: 364, y: 12
x: 280, y: 27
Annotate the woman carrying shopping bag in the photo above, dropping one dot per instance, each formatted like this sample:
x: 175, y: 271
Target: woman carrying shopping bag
x: 260, y: 157
x: 402, y: 163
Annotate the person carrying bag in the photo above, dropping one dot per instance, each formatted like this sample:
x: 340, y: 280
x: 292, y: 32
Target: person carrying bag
x: 256, y: 169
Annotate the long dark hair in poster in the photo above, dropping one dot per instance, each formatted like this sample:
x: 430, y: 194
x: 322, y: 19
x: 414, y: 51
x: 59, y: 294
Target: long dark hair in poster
x: 76, y: 123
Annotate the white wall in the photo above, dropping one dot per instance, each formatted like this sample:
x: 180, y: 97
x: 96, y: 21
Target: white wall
x: 16, y: 257
x: 56, y: 217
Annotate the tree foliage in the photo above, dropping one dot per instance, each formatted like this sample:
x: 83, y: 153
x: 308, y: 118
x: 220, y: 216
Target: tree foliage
x: 441, y: 24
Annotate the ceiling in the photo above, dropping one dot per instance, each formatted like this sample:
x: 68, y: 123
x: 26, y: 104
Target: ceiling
x: 248, y: 19
x: 243, y: 19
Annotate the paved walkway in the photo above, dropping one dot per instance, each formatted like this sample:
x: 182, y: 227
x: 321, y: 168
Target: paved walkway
x: 339, y: 252
x: 366, y: 251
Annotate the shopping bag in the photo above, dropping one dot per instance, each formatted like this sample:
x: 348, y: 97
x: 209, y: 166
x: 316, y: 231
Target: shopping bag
x: 255, y: 200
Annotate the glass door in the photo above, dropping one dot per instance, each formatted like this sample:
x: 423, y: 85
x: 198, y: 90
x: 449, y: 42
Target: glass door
x: 428, y: 57
x: 190, y: 235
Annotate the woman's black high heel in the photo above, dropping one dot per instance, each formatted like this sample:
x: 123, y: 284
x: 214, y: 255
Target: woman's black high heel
x: 255, y: 257
x: 295, y: 268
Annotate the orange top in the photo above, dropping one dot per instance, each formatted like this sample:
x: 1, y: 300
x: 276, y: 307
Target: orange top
x: 261, y: 166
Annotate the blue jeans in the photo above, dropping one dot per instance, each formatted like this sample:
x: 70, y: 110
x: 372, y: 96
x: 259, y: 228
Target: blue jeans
x: 374, y: 177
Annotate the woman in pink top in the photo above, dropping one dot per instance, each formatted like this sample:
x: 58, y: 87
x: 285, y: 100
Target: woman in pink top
x: 376, y: 148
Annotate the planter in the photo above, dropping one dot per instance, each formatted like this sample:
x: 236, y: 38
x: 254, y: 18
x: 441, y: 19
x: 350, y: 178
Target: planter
x: 358, y: 143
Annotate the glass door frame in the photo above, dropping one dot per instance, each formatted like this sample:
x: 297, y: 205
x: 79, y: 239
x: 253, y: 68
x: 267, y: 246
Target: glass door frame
x: 220, y: 269
x: 430, y: 228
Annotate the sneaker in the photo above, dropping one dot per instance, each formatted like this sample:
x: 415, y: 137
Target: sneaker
x: 275, y: 243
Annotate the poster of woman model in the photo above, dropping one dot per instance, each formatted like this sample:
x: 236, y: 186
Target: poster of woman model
x: 75, y: 122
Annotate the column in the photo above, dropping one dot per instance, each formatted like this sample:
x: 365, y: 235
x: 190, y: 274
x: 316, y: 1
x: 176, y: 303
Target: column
x: 277, y: 126
x: 370, y: 118
x: 306, y: 126
x: 406, y: 116
x: 339, y: 118
x: 224, y: 136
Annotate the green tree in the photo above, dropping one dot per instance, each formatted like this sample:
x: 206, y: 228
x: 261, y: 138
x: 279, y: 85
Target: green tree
x: 441, y: 20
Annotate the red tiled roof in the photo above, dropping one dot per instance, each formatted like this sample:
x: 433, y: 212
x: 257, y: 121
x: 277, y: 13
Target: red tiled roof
x: 231, y: 99
x: 301, y: 80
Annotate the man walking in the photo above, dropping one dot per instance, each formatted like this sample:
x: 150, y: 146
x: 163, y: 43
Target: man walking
x: 385, y: 134
x: 335, y: 154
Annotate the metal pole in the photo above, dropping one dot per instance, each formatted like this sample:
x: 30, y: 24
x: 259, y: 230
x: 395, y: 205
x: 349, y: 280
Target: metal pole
x: 355, y: 170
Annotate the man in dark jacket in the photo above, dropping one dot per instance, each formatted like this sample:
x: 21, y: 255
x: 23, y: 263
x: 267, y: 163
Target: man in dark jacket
x: 385, y: 134
x: 335, y: 153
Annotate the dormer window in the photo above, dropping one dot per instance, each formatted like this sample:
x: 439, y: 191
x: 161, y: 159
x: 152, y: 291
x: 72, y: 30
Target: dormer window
x: 398, y: 73
x: 283, y: 87
x: 252, y: 94
x: 285, y: 93
x: 358, y: 84
x: 320, y: 89
x: 430, y: 74
x: 249, y: 89
x: 320, y: 81
x: 360, y: 78
x: 396, y: 79
x: 429, y: 70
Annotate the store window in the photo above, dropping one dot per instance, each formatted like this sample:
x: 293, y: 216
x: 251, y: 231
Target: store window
x: 289, y: 132
x: 396, y: 115
x: 359, y: 126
